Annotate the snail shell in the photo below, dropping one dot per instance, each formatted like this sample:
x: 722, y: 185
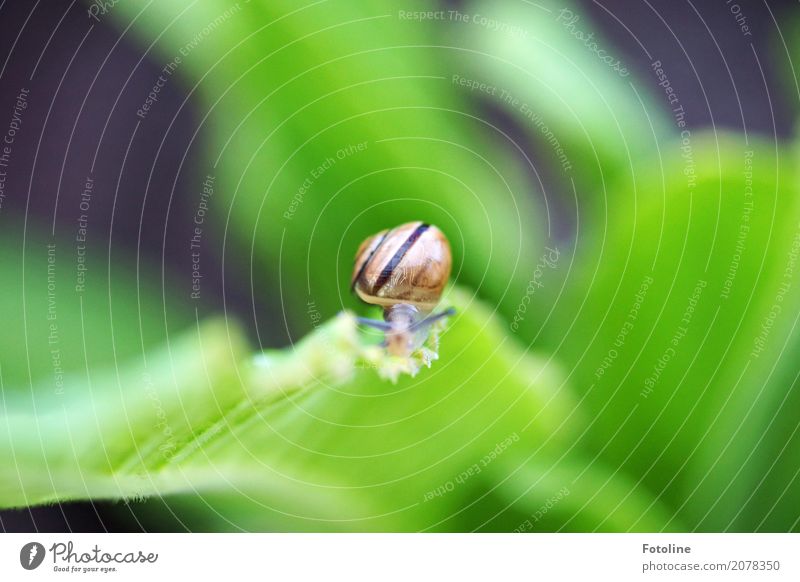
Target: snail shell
x: 408, y: 264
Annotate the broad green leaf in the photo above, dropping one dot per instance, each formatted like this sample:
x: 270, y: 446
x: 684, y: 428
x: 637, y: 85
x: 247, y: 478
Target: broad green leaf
x: 770, y: 481
x: 311, y: 438
x: 671, y: 338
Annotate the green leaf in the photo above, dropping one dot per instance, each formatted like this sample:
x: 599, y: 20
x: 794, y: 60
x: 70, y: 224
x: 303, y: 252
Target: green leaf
x: 666, y: 338
x: 548, y: 65
x: 570, y: 496
x: 785, y: 60
x: 310, y: 437
x: 591, y: 125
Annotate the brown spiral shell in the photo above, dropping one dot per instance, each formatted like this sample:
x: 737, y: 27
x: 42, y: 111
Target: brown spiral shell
x: 408, y: 264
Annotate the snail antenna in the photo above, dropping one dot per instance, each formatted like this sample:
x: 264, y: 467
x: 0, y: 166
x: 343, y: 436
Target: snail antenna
x: 377, y: 324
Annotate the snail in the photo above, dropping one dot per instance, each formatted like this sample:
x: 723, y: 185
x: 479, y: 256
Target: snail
x: 403, y: 270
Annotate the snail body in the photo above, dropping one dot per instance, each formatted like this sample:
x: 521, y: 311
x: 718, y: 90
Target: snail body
x: 404, y: 270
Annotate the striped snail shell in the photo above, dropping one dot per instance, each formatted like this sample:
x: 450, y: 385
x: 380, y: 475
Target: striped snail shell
x: 408, y: 264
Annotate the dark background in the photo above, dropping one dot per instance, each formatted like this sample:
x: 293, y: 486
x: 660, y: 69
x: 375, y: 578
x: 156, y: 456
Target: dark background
x: 86, y: 83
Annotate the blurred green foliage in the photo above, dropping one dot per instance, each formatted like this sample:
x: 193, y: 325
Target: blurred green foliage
x: 57, y: 320
x: 649, y: 382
